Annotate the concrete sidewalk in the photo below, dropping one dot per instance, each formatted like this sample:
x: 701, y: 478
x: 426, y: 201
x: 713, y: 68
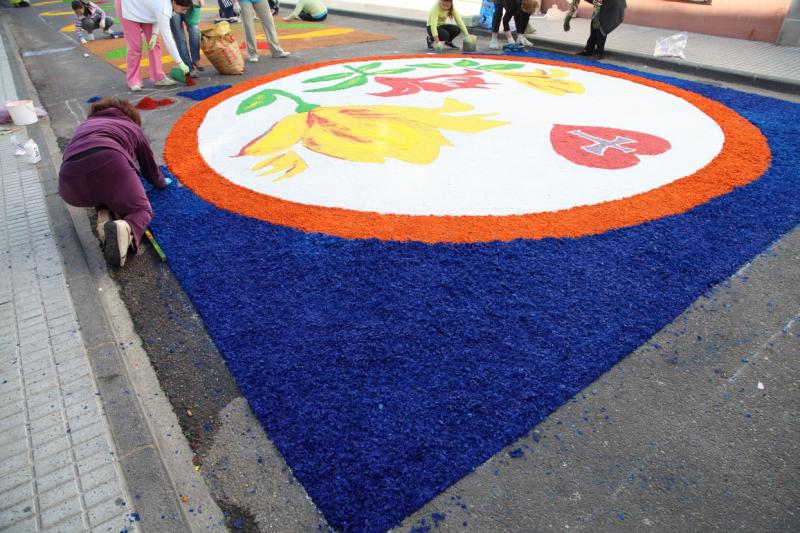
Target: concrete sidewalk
x: 754, y: 63
x: 87, y: 439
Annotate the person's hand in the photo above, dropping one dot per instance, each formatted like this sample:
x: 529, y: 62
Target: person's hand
x: 237, y: 9
x: 152, y: 42
x: 83, y: 41
x: 183, y: 66
x: 566, y: 22
x: 287, y: 19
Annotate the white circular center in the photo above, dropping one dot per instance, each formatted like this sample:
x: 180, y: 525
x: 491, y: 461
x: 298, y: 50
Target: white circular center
x: 509, y: 169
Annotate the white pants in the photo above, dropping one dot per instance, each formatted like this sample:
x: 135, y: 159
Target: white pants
x: 264, y: 13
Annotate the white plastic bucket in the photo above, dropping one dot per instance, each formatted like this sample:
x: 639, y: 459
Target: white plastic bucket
x: 22, y: 112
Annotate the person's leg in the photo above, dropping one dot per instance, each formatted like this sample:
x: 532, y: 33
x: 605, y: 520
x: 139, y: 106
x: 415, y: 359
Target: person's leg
x: 429, y: 38
x: 265, y: 14
x: 511, y: 7
x: 194, y: 43
x: 176, y: 26
x: 600, y: 47
x: 154, y: 55
x: 109, y: 23
x: 521, y: 20
x: 591, y: 42
x: 452, y: 31
x: 133, y: 40
x: 305, y: 16
x: 249, y: 30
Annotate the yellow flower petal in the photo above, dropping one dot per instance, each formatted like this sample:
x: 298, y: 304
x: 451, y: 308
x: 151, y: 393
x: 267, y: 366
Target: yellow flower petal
x: 289, y: 163
x: 371, y: 139
x: 544, y: 81
x: 281, y: 136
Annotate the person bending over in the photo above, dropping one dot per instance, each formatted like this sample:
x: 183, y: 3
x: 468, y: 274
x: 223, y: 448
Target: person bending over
x: 99, y: 170
x: 607, y: 15
x: 89, y: 17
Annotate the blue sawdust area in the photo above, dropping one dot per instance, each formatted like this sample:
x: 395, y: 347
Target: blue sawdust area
x: 193, y: 375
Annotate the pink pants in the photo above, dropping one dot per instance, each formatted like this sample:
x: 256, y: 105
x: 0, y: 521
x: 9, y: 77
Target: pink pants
x: 133, y: 37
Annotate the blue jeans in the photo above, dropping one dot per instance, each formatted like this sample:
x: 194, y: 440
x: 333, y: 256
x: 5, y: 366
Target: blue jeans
x: 176, y: 25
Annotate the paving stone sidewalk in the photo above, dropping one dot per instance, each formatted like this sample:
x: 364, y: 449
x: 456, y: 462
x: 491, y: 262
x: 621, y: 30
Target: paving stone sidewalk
x: 59, y: 470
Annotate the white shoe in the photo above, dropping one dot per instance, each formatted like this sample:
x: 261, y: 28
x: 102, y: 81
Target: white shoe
x: 253, y: 58
x: 103, y: 216
x: 523, y: 41
x: 282, y: 53
x: 166, y: 81
x: 90, y: 37
x: 493, y: 45
x: 136, y: 88
x: 118, y: 239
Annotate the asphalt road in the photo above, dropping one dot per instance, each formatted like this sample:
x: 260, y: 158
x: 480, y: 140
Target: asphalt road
x: 665, y: 437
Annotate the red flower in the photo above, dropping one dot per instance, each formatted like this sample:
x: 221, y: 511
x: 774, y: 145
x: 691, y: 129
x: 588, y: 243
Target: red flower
x: 470, y: 79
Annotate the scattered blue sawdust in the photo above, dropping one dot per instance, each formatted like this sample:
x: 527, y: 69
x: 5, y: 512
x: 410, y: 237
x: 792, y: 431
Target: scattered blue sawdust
x: 438, y: 518
x: 621, y: 515
x: 93, y: 99
x: 451, y: 332
x: 238, y: 523
x: 536, y: 436
x: 205, y: 92
x: 516, y: 453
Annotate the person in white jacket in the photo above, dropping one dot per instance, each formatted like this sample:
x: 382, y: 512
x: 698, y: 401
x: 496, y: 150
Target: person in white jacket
x: 149, y: 17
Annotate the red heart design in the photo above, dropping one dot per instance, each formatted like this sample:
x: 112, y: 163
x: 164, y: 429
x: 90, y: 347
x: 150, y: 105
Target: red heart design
x: 609, y: 148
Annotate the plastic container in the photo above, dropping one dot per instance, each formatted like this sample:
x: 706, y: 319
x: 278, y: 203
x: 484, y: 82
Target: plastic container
x: 32, y: 154
x: 470, y: 43
x: 22, y: 112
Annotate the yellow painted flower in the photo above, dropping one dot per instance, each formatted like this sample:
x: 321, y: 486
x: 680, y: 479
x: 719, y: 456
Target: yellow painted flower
x: 363, y: 134
x: 551, y: 82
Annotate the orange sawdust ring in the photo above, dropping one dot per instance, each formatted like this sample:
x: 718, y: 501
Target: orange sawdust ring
x: 744, y: 157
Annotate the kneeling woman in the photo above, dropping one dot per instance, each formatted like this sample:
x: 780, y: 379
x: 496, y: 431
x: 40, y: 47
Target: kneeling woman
x: 99, y: 170
x: 439, y: 30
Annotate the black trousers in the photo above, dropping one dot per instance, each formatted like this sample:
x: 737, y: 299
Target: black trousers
x: 447, y: 32
x: 596, y: 42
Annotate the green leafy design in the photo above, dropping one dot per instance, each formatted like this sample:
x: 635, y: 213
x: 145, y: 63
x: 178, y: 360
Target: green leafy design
x: 355, y: 76
x: 267, y: 97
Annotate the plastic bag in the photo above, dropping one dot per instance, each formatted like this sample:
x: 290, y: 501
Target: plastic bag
x: 672, y: 46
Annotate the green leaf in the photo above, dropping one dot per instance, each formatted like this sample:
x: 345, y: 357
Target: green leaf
x: 432, y: 65
x: 394, y: 71
x: 467, y: 63
x: 369, y: 66
x: 329, y: 77
x: 261, y: 99
x: 346, y: 84
x: 506, y: 66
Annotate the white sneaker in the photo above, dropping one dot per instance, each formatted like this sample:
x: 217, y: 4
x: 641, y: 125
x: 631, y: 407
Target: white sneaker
x: 523, y: 41
x: 90, y: 37
x: 493, y: 45
x: 136, y: 88
x: 282, y: 53
x: 253, y: 58
x: 118, y: 239
x: 166, y: 81
x: 103, y: 216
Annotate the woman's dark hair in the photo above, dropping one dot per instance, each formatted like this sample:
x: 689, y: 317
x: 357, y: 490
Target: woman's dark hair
x: 123, y: 105
x: 183, y: 3
x: 449, y: 11
x: 77, y: 4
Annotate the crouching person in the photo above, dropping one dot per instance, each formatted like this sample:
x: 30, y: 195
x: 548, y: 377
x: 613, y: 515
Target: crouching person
x: 99, y: 170
x: 89, y: 17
